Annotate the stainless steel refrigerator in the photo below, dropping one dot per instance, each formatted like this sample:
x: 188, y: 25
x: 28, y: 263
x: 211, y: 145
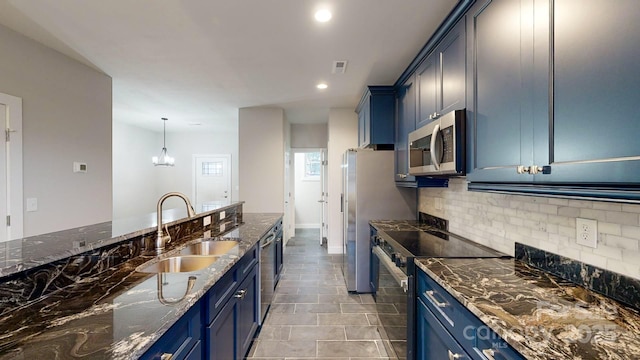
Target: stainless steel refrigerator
x: 369, y: 193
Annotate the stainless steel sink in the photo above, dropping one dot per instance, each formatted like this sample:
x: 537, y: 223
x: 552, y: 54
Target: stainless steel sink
x: 210, y: 247
x: 184, y: 263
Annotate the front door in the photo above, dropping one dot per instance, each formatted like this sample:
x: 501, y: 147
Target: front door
x: 211, y: 180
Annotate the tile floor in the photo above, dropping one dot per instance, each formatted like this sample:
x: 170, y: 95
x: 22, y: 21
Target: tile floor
x: 312, y: 315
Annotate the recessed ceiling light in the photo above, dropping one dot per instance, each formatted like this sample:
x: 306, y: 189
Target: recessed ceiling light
x: 323, y: 15
x: 322, y: 86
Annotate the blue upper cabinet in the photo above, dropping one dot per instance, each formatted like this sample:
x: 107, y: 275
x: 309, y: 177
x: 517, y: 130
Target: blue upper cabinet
x: 376, y: 112
x: 441, y: 77
x: 595, y: 94
x: 552, y: 95
x: 499, y: 131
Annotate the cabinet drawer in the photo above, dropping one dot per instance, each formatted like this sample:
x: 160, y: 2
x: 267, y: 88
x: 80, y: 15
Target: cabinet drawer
x: 182, y: 340
x: 247, y: 262
x: 456, y: 318
x: 220, y: 293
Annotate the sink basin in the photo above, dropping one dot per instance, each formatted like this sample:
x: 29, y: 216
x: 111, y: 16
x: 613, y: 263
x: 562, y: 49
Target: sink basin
x: 210, y: 247
x: 183, y: 263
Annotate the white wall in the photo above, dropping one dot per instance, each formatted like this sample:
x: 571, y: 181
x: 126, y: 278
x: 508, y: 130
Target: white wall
x: 343, y: 135
x: 66, y: 118
x: 134, y: 177
x: 498, y: 221
x: 261, y: 150
x: 137, y: 184
x: 308, y: 211
x: 309, y: 136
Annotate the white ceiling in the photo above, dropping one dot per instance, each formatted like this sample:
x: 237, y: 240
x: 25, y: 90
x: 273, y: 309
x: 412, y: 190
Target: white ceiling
x: 198, y: 61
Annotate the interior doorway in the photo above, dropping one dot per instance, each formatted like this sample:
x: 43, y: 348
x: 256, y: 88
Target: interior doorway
x: 211, y: 180
x: 309, y: 178
x: 11, y: 216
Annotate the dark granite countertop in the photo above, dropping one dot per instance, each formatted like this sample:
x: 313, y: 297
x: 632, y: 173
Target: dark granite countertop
x: 30, y: 252
x: 115, y: 314
x: 540, y: 315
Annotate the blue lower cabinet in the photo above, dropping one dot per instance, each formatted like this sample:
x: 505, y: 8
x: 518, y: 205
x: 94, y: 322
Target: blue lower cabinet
x: 220, y: 335
x: 248, y: 308
x: 182, y: 341
x: 433, y: 340
x: 230, y: 334
x: 444, y: 324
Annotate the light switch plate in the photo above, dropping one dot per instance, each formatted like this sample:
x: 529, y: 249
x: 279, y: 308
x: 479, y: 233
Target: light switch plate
x: 587, y: 232
x: 32, y: 204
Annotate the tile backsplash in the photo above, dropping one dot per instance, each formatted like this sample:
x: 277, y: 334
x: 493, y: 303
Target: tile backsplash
x: 501, y: 220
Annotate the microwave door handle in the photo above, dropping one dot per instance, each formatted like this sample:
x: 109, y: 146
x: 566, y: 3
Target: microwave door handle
x: 434, y: 136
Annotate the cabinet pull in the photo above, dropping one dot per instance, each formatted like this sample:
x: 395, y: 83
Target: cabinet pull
x: 522, y: 169
x: 429, y: 295
x: 488, y: 353
x: 534, y: 169
x: 453, y: 356
x: 402, y: 176
x: 240, y: 294
x: 166, y: 356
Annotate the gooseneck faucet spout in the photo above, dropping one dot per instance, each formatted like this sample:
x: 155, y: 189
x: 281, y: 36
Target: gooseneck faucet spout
x: 162, y: 238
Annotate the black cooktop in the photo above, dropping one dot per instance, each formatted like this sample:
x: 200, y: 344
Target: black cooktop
x: 437, y: 244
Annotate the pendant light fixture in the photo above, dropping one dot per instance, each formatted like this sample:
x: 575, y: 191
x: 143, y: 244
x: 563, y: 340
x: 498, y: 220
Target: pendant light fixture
x: 164, y: 159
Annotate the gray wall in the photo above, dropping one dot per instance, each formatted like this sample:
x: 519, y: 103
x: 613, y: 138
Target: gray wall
x: 309, y: 136
x: 66, y: 118
x: 261, y: 147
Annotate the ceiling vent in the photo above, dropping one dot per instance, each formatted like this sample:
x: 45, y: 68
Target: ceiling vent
x: 339, y: 67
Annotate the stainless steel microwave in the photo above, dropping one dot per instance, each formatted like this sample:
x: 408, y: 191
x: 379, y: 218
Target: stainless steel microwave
x: 438, y: 148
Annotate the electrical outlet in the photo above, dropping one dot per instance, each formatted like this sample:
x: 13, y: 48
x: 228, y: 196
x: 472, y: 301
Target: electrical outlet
x: 587, y: 232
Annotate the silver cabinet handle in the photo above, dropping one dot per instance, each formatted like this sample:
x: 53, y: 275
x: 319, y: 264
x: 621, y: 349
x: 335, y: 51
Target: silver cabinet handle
x: 534, y: 169
x: 402, y: 176
x: 488, y: 353
x: 429, y: 294
x: 166, y: 356
x: 453, y: 356
x: 432, y: 146
x: 240, y: 294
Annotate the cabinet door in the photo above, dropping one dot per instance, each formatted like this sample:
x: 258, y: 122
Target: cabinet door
x: 452, y: 63
x: 500, y: 133
x: 595, y: 93
x: 433, y: 341
x: 221, y: 333
x: 427, y: 90
x: 405, y: 123
x: 248, y: 311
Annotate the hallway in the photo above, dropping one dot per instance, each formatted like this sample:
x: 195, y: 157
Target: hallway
x: 312, y: 315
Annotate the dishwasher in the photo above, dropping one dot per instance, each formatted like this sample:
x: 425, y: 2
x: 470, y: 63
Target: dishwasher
x: 267, y: 271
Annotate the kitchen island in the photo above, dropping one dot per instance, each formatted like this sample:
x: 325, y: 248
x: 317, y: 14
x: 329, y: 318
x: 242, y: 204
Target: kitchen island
x: 101, y: 307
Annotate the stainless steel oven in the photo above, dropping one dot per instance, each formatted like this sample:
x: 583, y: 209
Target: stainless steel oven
x: 438, y: 148
x: 395, y: 251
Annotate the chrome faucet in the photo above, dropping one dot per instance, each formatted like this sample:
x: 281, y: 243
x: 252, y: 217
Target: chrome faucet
x: 163, y: 239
